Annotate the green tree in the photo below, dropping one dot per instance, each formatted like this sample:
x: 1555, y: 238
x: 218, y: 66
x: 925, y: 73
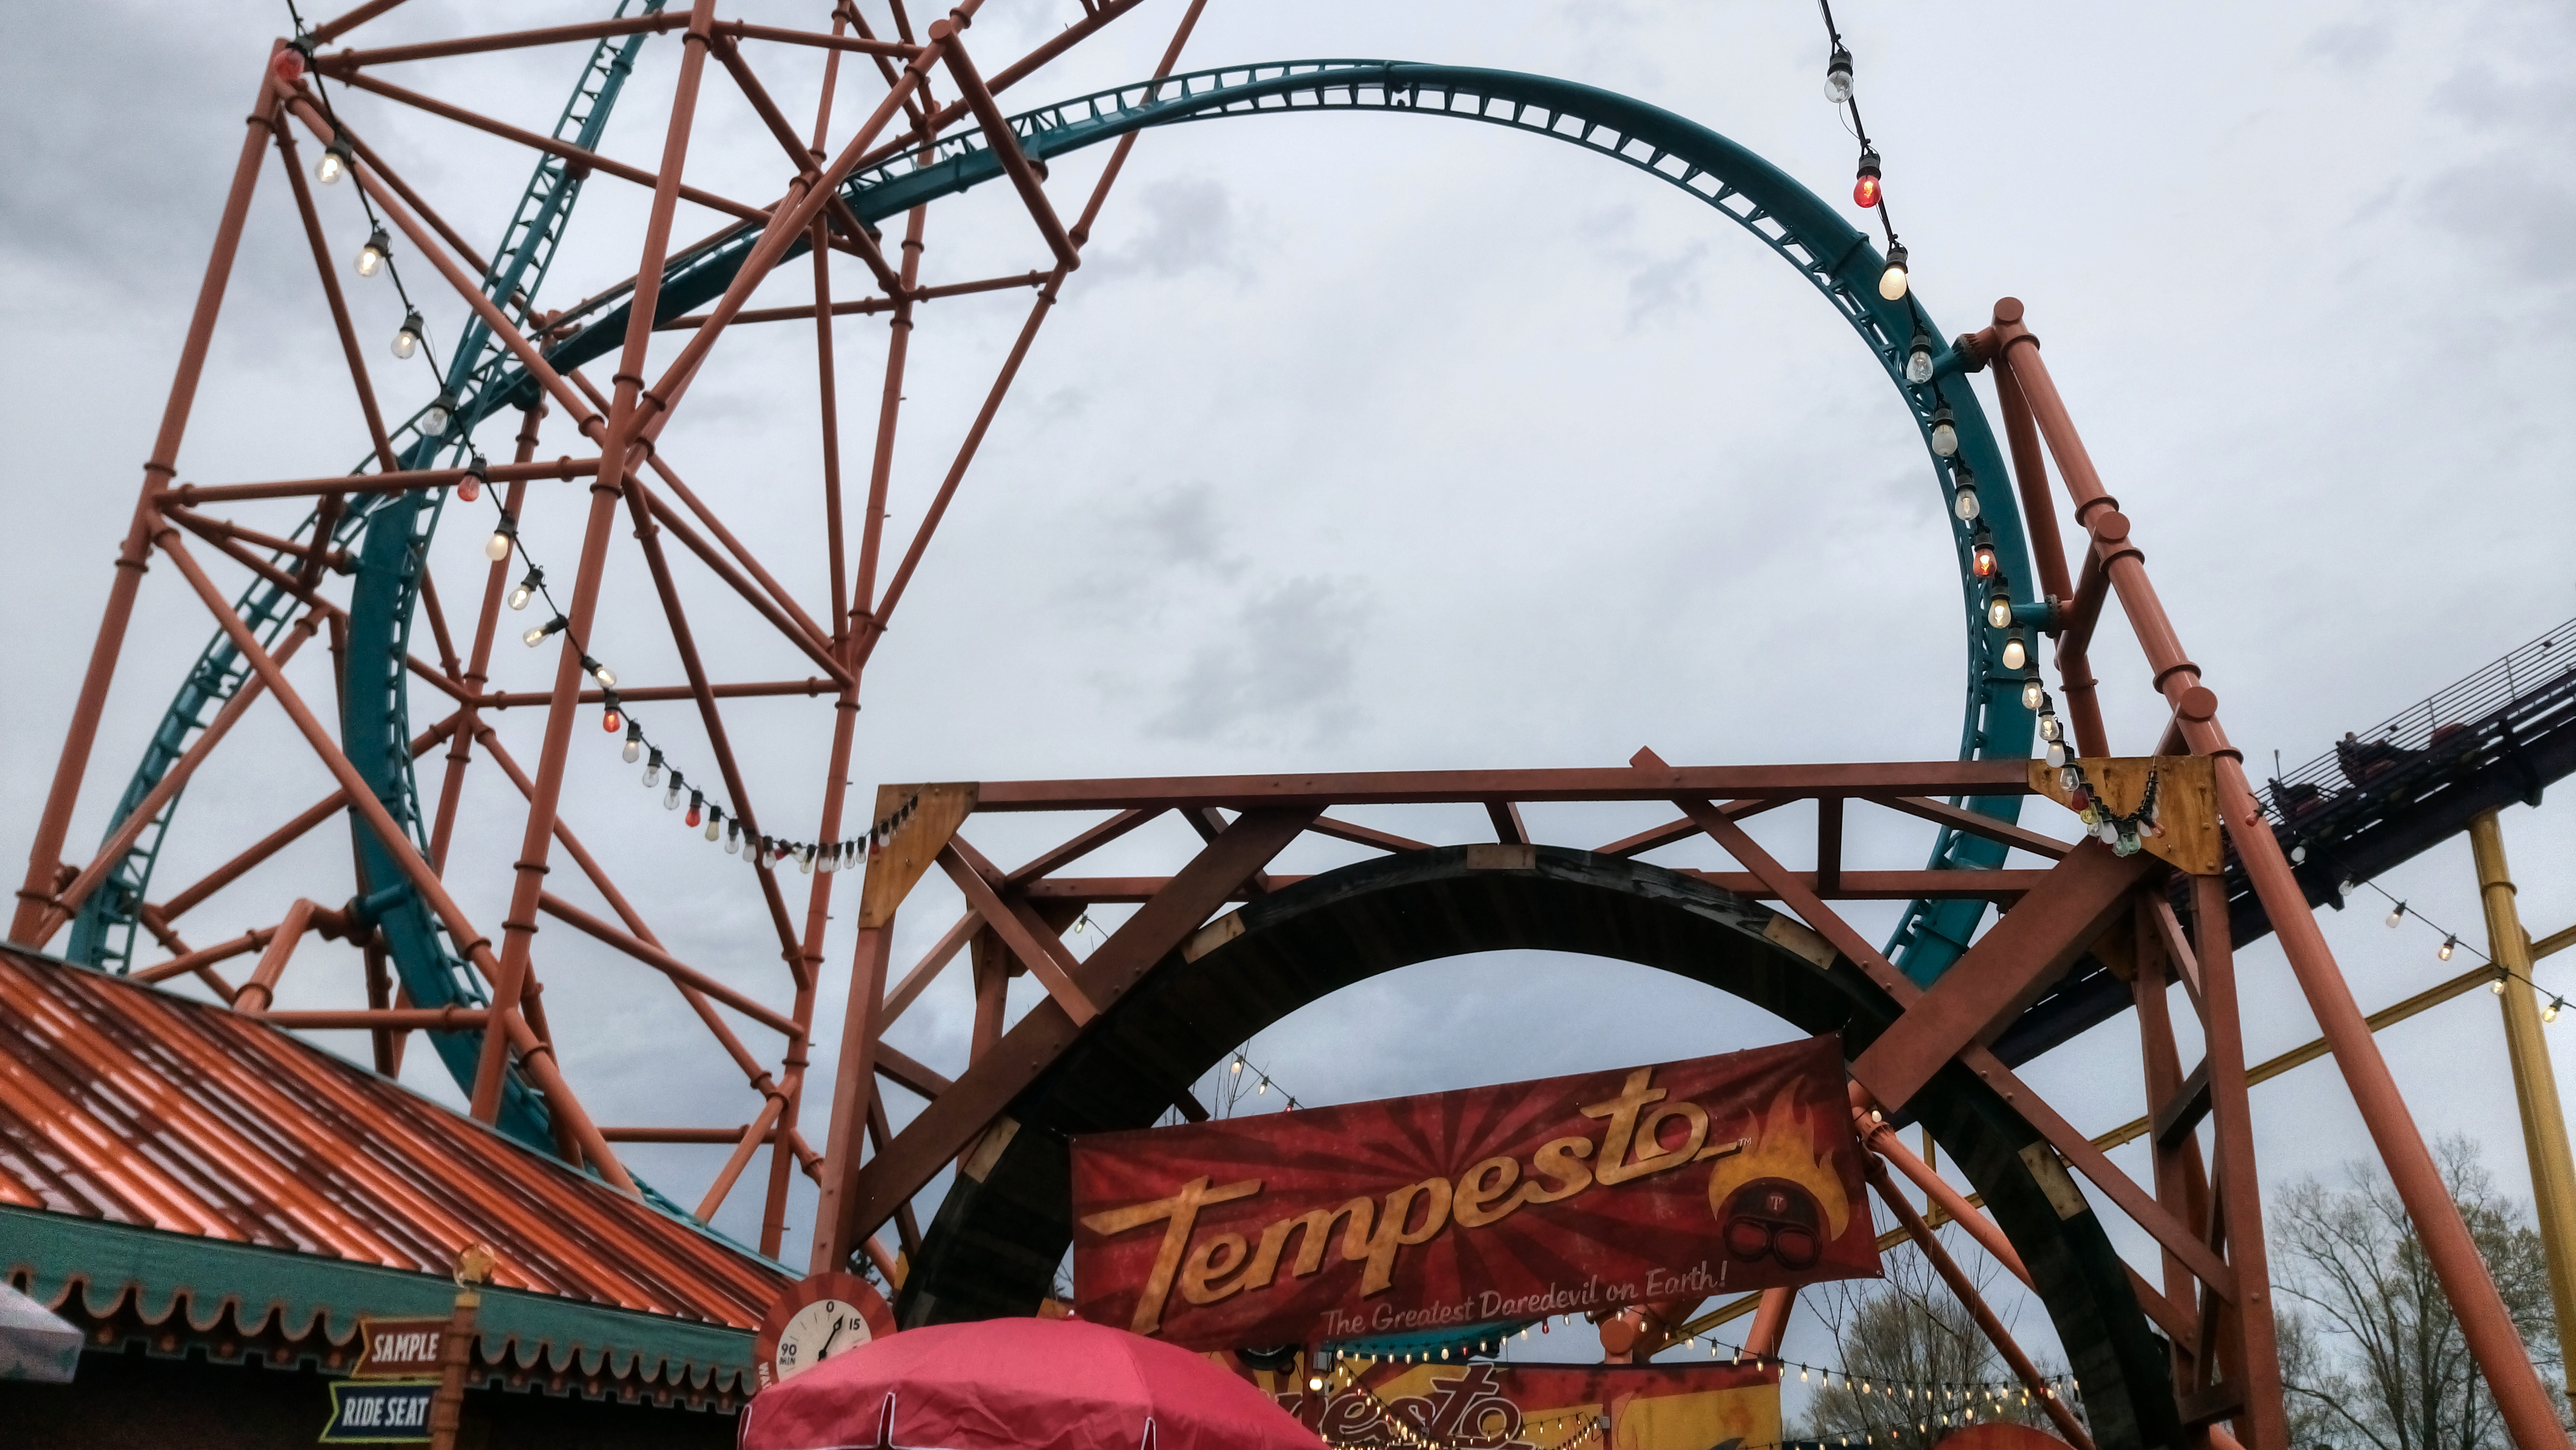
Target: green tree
x: 2371, y: 1352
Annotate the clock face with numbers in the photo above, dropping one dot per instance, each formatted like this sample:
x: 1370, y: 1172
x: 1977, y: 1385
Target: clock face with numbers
x: 827, y: 1314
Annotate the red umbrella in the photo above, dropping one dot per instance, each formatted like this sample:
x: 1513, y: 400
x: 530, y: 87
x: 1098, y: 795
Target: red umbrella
x: 1019, y: 1384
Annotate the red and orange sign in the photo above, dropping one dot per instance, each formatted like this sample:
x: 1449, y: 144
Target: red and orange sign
x: 1517, y: 1202
x: 1547, y: 1406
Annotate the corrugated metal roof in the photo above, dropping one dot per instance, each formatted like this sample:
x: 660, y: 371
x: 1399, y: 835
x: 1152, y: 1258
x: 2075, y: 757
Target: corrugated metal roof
x: 122, y: 1103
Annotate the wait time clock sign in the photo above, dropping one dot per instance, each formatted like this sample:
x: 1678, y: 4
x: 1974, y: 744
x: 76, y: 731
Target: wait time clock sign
x: 827, y: 1314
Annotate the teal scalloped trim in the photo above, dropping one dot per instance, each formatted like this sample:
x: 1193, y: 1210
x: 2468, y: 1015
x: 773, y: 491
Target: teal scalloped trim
x: 55, y: 1255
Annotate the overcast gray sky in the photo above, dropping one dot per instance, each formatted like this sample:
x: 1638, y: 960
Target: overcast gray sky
x: 1365, y: 442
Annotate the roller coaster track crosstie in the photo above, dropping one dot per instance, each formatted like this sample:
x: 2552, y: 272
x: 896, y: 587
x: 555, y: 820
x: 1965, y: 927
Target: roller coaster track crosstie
x: 1220, y: 945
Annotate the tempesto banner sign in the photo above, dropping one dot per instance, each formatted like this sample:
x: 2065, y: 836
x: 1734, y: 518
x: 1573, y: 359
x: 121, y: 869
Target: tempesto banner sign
x: 1394, y: 1406
x: 1595, y: 1191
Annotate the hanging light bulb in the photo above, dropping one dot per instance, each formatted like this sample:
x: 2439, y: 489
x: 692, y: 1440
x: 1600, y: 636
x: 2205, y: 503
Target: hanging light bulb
x: 2049, y: 726
x: 407, y: 336
x: 2394, y: 917
x: 2033, y: 693
x: 697, y: 808
x: 2016, y: 652
x: 671, y: 796
x: 1892, y: 281
x: 334, y: 163
x: 805, y: 861
x: 2449, y: 943
x: 1945, y: 435
x: 600, y: 672
x: 1999, y: 608
x: 477, y: 473
x: 733, y: 838
x: 536, y: 635
x: 1865, y: 188
x: 371, y: 257
x: 2298, y: 855
x: 653, y: 766
x: 1918, y: 358
x: 2550, y: 1012
x: 1838, y: 76
x: 528, y: 587
x: 634, y: 742
x: 504, y: 535
x: 610, y: 720
x: 1238, y: 1065
x: 1981, y: 559
x: 435, y: 418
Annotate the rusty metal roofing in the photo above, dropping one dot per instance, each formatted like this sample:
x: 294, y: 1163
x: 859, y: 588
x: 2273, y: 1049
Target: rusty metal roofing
x: 123, y: 1104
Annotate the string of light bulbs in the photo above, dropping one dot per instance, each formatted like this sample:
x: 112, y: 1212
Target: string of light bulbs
x: 435, y: 422
x: 2399, y: 912
x: 1234, y: 1079
x: 1959, y: 1398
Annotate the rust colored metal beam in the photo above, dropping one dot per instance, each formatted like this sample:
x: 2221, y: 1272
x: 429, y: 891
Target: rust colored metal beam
x: 477, y: 672
x: 519, y: 925
x: 1966, y: 1290
x: 746, y: 31
x: 2003, y: 886
x: 1082, y: 845
x: 855, y: 1204
x: 2004, y: 971
x: 204, y: 957
x: 326, y: 33
x: 1943, y: 813
x: 408, y: 1019
x: 1508, y: 829
x: 929, y: 967
x: 1364, y: 836
x: 663, y: 962
x: 748, y: 1142
x: 1039, y: 950
x: 2263, y: 1422
x: 286, y: 835
x: 901, y: 1069
x: 1006, y: 149
x: 329, y: 275
x: 811, y: 685
x: 406, y: 480
x: 44, y: 853
x: 304, y: 104
x: 2486, y: 1325
x: 863, y: 305
x: 536, y: 141
x: 1780, y: 782
x: 347, y: 63
x: 535, y: 1057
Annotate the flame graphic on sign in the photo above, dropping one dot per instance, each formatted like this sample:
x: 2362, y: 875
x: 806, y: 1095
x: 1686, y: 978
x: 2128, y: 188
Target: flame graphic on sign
x: 1782, y: 1144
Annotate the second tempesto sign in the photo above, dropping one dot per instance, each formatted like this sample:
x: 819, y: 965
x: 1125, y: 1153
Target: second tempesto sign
x: 1500, y: 1203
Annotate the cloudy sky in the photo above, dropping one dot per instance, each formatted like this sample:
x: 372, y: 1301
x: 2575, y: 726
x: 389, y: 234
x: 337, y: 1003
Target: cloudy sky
x: 1363, y: 442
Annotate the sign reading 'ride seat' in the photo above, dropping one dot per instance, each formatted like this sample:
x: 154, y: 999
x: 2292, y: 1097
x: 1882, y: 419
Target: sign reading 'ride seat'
x: 1516, y: 1202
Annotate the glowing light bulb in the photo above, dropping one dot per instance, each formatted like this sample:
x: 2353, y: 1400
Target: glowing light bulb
x: 527, y: 589
x: 407, y: 336
x: 2550, y: 1012
x: 497, y: 547
x: 634, y: 743
x: 2496, y: 986
x: 2016, y: 652
x: 603, y: 674
x: 611, y: 721
x: 371, y: 256
x: 2049, y: 728
x: 1945, y: 435
x: 1964, y: 503
x: 1999, y: 610
x: 2032, y: 693
x: 334, y: 163
x: 1918, y: 360
x: 1893, y: 281
x: 536, y: 635
x: 1981, y: 561
x: 1838, y: 76
x: 1865, y: 186
x: 2449, y: 944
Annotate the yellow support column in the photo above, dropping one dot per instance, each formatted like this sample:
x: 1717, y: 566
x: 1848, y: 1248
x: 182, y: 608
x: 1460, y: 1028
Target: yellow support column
x: 2544, y: 1129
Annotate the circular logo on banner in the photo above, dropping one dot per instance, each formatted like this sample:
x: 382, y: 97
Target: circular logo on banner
x: 825, y: 1315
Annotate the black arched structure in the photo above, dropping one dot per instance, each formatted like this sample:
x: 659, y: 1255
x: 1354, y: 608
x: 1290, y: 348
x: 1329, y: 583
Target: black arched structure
x: 996, y: 1242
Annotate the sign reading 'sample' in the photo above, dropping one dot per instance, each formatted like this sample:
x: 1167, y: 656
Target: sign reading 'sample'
x: 1498, y: 1203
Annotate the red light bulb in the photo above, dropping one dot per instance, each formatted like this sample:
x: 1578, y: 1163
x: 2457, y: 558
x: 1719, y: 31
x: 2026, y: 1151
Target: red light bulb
x: 1985, y: 561
x: 693, y: 816
x: 612, y: 722
x: 290, y: 65
x: 471, y: 489
x: 1865, y: 191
